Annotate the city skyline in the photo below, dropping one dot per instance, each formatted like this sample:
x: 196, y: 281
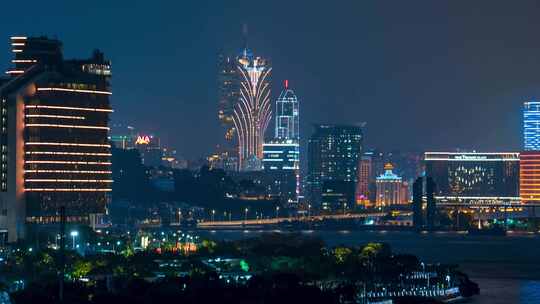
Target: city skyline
x: 269, y: 152
x: 443, y: 71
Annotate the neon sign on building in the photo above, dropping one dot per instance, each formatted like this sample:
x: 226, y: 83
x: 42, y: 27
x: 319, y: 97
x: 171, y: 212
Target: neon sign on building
x: 142, y: 140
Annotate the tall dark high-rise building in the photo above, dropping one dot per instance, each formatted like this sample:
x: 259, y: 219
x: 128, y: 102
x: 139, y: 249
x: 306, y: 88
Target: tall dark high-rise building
x: 28, y: 51
x: 55, y: 149
x: 364, y: 178
x: 333, y: 154
x: 418, y: 216
x: 431, y: 203
x: 228, y: 96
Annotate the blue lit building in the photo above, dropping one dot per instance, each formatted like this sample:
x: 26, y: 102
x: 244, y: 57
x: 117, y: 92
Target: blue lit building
x: 283, y: 152
x: 281, y: 155
x: 287, y: 115
x: 281, y: 160
x: 531, y: 126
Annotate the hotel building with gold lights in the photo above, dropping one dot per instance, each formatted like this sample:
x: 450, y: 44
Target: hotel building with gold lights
x: 529, y: 177
x: 475, y: 178
x: 391, y: 190
x: 54, y: 137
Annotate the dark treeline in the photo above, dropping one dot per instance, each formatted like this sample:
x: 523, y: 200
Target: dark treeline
x: 283, y: 269
x: 207, y: 188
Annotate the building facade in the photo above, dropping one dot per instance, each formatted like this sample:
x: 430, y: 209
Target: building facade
x: 529, y: 177
x: 228, y: 96
x: 287, y: 115
x: 529, y: 168
x: 281, y: 160
x: 337, y: 195
x: 122, y: 137
x: 472, y: 177
x: 333, y: 155
x: 55, y: 115
x: 391, y: 190
x: 531, y: 126
x: 149, y: 147
x: 244, y: 106
x: 281, y: 155
x: 364, y: 179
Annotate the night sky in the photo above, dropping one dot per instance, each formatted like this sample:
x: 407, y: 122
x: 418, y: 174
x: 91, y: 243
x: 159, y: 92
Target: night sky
x: 424, y: 75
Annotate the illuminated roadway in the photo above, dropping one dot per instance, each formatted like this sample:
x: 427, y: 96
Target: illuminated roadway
x: 273, y: 221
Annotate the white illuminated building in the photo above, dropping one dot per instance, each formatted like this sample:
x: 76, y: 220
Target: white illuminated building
x: 252, y: 113
x: 282, y: 154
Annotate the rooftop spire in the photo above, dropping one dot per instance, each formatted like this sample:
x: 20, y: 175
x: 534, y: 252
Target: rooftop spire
x: 245, y: 35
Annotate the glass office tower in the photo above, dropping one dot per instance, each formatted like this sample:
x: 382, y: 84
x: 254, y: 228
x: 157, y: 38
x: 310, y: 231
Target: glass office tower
x: 333, y: 155
x: 531, y: 126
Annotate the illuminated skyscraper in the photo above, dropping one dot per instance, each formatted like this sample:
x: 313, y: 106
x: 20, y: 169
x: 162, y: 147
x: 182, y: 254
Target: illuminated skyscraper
x: 282, y: 154
x: 55, y: 117
x: 252, y: 112
x: 244, y: 106
x: 531, y: 126
x: 287, y: 115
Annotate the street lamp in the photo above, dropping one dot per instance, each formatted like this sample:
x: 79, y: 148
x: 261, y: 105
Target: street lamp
x: 74, y: 234
x: 213, y: 213
x: 309, y: 210
x: 245, y: 214
x: 117, y: 246
x: 277, y: 211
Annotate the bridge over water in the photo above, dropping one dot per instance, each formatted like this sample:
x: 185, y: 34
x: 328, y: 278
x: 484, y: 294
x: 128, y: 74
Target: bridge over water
x: 280, y: 220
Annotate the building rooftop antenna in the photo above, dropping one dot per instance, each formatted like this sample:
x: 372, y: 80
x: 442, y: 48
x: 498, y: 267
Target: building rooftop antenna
x: 245, y: 35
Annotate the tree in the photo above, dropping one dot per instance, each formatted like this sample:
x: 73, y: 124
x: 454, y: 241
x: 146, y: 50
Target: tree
x: 341, y: 254
x: 81, y: 268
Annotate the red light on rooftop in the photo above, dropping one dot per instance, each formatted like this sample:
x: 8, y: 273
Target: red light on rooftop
x: 286, y: 84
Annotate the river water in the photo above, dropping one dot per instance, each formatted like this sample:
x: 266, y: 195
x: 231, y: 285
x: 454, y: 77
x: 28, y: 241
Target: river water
x: 506, y: 268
